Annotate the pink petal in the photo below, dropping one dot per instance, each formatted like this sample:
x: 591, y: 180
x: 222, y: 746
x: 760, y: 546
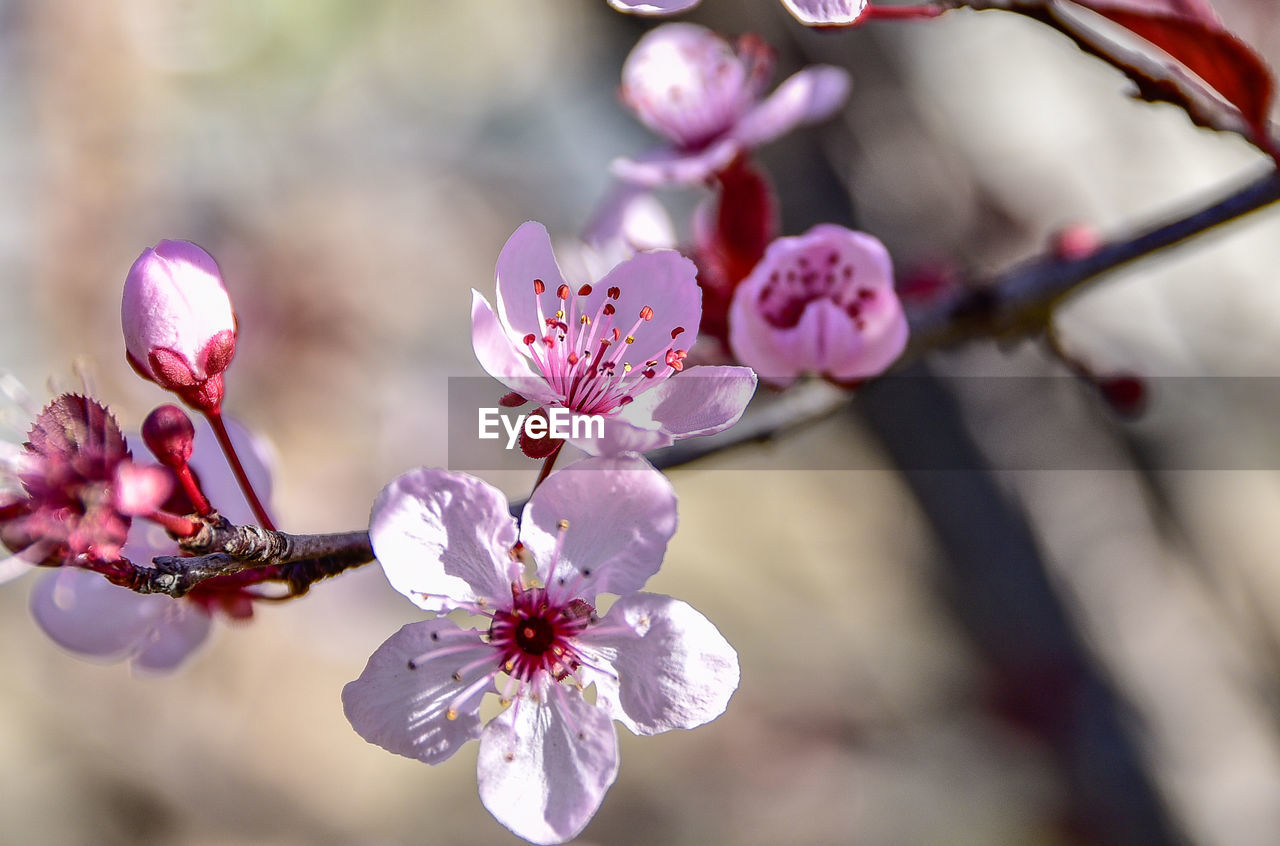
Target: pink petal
x: 700, y: 401
x: 84, y: 613
x: 673, y: 667
x: 499, y: 356
x: 545, y: 764
x: 631, y: 217
x: 186, y: 626
x: 406, y: 711
x: 826, y: 12
x: 525, y: 257
x: 621, y: 514
x: 624, y: 434
x: 654, y: 7
x: 846, y: 353
x: 808, y: 96
x: 674, y: 167
x: 663, y: 281
x: 444, y: 539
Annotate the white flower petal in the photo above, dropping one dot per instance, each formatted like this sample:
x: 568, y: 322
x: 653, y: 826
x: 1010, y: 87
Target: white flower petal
x: 498, y: 355
x: 653, y: 7
x: 545, y: 764
x: 826, y: 12
x: 527, y: 256
x: 621, y: 513
x: 674, y: 668
x: 444, y: 539
x: 406, y: 711
x: 700, y: 401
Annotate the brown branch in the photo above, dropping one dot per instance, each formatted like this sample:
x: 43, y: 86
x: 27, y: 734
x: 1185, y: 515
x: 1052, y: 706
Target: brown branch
x: 221, y: 549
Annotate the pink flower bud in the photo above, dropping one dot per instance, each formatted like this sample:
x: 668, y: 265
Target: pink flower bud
x: 822, y: 302
x: 179, y: 329
x: 170, y: 435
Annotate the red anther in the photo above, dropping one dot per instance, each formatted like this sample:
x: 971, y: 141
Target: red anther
x: 529, y: 339
x: 616, y: 334
x: 675, y: 333
x: 614, y: 292
x: 646, y: 313
x: 609, y: 309
x: 627, y: 399
x: 674, y: 359
x: 170, y: 435
x: 539, y: 287
x: 585, y: 290
x: 573, y: 358
x: 563, y: 292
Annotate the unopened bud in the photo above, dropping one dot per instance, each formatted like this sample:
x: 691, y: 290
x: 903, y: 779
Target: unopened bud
x: 179, y: 329
x: 1076, y: 241
x: 170, y: 435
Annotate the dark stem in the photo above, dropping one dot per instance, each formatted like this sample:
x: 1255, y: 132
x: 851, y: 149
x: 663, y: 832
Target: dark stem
x: 229, y: 450
x: 546, y: 467
x: 1022, y: 299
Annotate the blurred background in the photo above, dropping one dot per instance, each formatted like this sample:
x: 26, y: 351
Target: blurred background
x: 1083, y: 650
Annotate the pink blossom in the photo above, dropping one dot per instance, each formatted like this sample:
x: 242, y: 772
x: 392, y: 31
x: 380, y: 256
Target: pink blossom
x: 447, y: 541
x: 826, y: 12
x: 822, y: 302
x: 179, y: 329
x: 608, y: 348
x: 86, y: 614
x: 69, y: 502
x: 654, y: 7
x: 704, y: 95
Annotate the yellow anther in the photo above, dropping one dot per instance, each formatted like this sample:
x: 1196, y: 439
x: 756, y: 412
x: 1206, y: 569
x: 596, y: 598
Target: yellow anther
x: 631, y: 339
x: 562, y: 525
x: 451, y: 714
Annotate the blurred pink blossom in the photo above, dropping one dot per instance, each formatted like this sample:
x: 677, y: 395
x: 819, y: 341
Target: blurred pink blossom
x: 447, y: 541
x: 822, y: 302
x: 705, y: 96
x: 83, y: 612
x: 68, y: 503
x: 607, y: 349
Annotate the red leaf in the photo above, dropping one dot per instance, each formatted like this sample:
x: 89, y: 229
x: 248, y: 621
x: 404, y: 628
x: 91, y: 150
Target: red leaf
x: 1191, y: 34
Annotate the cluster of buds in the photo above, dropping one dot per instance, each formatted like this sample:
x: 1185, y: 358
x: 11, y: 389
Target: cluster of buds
x: 80, y: 502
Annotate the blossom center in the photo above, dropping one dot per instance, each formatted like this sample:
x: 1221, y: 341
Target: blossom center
x: 820, y: 273
x: 584, y: 351
x: 536, y: 634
